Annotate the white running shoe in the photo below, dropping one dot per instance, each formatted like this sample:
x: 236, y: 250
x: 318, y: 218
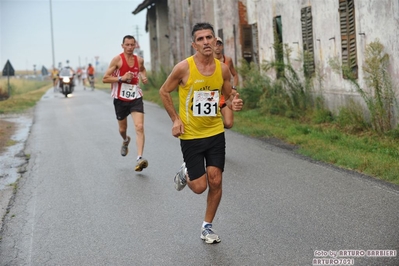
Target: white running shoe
x: 141, y: 164
x: 180, y: 178
x: 209, y: 236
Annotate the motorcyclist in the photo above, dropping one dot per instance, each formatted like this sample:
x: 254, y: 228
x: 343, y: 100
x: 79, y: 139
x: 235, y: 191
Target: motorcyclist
x: 67, y: 71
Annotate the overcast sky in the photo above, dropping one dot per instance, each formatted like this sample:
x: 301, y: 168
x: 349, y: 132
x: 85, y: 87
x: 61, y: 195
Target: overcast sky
x: 82, y: 30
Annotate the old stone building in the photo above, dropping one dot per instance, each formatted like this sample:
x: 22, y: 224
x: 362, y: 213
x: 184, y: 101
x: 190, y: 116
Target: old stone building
x: 325, y: 29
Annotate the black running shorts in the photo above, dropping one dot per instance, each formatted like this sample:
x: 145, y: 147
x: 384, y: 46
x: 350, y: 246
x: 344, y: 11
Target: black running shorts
x: 199, y: 153
x: 123, y: 109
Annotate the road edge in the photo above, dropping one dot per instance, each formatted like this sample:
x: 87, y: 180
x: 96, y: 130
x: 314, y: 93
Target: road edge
x: 7, y: 194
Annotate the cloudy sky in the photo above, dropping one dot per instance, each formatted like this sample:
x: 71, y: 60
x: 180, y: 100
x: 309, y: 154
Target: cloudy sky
x: 82, y: 30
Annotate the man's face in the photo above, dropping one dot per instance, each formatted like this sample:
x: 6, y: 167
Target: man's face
x: 128, y: 46
x: 218, y: 47
x: 204, y: 42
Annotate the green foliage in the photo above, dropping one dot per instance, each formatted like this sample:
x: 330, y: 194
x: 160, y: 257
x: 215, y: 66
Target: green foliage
x: 156, y: 79
x: 4, y: 91
x: 276, y: 101
x: 367, y: 153
x: 394, y: 133
x: 379, y: 96
x: 289, y: 95
x: 24, y: 95
x: 377, y: 77
x: 19, y: 86
x: 351, y: 118
x: 278, y: 47
x: 254, y: 84
x: 299, y: 89
x: 320, y: 116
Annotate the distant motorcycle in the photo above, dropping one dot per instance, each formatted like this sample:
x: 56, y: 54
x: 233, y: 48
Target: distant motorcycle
x: 66, y: 84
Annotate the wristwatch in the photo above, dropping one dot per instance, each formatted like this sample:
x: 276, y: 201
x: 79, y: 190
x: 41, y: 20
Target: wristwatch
x: 119, y: 79
x: 234, y: 88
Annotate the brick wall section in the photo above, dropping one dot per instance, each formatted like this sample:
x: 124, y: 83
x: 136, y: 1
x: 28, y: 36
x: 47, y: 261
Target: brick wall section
x: 243, y: 20
x: 242, y: 13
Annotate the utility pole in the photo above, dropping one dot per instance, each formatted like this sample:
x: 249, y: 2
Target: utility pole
x: 52, y: 34
x: 137, y: 33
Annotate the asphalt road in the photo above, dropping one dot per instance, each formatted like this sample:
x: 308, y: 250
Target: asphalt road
x: 81, y: 203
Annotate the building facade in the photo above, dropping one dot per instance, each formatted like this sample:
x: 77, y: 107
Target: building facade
x: 323, y: 29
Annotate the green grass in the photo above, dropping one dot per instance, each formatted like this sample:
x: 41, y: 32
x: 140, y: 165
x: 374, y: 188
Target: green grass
x: 24, y: 94
x: 368, y: 154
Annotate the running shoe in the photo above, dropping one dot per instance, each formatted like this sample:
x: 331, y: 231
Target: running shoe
x: 180, y: 178
x: 125, y: 149
x: 141, y: 164
x: 208, y: 235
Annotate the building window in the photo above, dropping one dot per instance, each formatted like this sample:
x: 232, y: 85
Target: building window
x: 255, y: 47
x: 220, y: 34
x: 348, y: 35
x: 250, y: 50
x: 307, y: 40
x: 247, y: 42
x: 278, y: 45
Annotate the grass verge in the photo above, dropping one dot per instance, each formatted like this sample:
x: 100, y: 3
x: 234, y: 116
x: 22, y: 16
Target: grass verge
x: 24, y: 95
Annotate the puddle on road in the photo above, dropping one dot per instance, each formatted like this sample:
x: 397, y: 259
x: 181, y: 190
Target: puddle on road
x: 13, y: 158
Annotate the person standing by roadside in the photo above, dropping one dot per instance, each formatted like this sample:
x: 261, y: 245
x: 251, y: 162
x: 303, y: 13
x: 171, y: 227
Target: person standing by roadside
x: 79, y: 74
x: 90, y: 70
x: 228, y: 115
x: 84, y: 77
x: 54, y: 77
x: 124, y: 73
x: 200, y: 80
x: 90, y: 75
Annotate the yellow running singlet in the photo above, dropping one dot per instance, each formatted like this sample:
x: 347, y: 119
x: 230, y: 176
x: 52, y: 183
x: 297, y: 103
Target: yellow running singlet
x: 199, y: 103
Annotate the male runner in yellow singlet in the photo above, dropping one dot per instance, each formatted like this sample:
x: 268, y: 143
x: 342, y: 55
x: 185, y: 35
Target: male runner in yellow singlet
x: 201, y: 80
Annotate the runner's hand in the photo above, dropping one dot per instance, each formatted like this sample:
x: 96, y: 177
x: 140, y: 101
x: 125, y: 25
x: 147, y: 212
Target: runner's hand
x: 237, y: 103
x: 178, y: 128
x: 144, y: 79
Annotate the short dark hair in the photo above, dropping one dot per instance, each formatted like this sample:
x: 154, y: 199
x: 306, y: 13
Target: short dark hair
x: 202, y: 26
x: 128, y: 37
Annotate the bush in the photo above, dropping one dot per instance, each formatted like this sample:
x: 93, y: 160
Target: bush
x: 254, y: 84
x: 3, y: 93
x: 351, y: 119
x: 322, y: 116
x: 380, y: 96
x: 156, y: 79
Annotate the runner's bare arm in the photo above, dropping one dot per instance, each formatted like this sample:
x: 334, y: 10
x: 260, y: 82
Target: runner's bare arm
x: 143, y: 70
x: 226, y: 89
x: 231, y: 97
x: 233, y: 72
x: 108, y: 78
x: 178, y: 76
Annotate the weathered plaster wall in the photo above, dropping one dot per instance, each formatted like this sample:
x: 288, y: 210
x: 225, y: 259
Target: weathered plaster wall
x: 163, y: 32
x: 152, y: 30
x: 375, y: 19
